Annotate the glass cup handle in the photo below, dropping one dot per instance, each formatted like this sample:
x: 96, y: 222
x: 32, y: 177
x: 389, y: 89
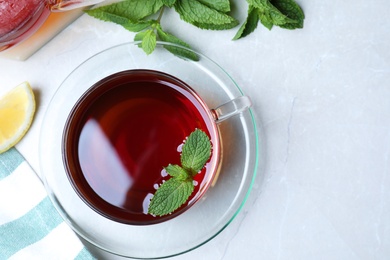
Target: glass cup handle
x: 231, y: 108
x: 65, y: 5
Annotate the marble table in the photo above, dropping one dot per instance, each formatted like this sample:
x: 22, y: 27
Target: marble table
x: 321, y: 96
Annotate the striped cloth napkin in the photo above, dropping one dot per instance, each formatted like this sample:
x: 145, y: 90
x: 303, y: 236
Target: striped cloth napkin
x: 30, y: 227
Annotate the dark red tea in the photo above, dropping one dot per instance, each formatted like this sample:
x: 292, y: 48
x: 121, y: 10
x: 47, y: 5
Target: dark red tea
x: 120, y: 135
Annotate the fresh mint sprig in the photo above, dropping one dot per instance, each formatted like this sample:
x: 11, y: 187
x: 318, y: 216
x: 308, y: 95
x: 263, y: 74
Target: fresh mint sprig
x: 174, y: 192
x: 140, y: 16
x: 144, y: 16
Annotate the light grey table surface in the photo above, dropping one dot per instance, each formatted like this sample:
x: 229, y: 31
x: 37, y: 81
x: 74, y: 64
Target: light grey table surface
x: 321, y: 96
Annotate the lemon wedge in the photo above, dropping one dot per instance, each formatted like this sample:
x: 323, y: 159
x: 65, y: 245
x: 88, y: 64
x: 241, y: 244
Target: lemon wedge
x: 17, y: 110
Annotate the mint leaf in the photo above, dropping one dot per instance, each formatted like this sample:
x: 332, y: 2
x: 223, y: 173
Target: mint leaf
x: 260, y: 4
x: 177, y: 172
x: 133, y: 10
x: 219, y: 5
x: 196, y: 151
x: 180, y: 52
x: 292, y: 10
x: 249, y: 25
x: 136, y: 27
x: 202, y: 16
x: 170, y: 196
x: 279, y: 12
x: 148, y: 40
x: 283, y: 13
x: 168, y: 2
x: 266, y: 19
x: 277, y: 17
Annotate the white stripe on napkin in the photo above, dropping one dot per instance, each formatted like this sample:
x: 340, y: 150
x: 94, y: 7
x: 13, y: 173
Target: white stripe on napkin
x: 68, y: 248
x: 22, y: 189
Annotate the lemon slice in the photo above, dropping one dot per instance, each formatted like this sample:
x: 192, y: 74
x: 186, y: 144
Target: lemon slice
x: 17, y: 110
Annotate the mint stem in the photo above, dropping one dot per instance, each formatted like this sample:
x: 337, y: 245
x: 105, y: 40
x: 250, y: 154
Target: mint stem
x: 161, y: 14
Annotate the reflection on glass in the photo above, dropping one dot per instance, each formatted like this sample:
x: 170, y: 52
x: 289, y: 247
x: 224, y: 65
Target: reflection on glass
x: 102, y: 166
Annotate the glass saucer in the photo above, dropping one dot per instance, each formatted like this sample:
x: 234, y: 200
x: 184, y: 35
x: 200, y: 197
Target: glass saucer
x: 203, y: 221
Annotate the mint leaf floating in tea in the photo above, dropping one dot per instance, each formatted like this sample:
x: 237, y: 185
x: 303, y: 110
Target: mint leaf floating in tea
x: 196, y: 151
x: 170, y: 196
x: 177, y: 172
x: 173, y: 193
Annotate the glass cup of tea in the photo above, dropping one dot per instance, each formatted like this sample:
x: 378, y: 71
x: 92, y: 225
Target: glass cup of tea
x: 85, y: 112
x: 19, y: 19
x: 125, y: 129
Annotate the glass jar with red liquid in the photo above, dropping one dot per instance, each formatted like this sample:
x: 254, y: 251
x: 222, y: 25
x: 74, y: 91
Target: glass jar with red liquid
x: 19, y: 19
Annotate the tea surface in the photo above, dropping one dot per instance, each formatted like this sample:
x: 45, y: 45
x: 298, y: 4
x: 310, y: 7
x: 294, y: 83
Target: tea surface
x: 130, y: 129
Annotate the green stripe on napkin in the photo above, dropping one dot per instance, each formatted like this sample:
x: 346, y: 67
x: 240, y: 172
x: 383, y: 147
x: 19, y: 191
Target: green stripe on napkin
x: 11, y: 159
x: 29, y: 228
